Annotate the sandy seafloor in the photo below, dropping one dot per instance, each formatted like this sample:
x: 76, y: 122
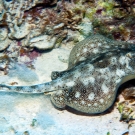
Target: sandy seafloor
x: 18, y: 111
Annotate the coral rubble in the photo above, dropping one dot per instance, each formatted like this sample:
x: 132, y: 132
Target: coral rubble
x: 114, y: 18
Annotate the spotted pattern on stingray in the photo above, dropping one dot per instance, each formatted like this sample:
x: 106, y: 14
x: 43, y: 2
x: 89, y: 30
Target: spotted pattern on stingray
x: 89, y: 86
x: 90, y: 48
x: 97, y: 96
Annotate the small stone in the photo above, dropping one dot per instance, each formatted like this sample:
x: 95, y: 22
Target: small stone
x: 85, y: 28
x: 4, y: 44
x: 26, y: 133
x: 58, y: 26
x: 42, y: 42
x: 3, y: 33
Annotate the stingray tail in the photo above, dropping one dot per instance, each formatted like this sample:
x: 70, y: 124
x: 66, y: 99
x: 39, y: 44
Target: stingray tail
x: 40, y: 88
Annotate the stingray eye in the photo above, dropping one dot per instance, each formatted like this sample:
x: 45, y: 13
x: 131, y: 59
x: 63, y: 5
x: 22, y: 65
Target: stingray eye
x: 57, y: 74
x: 54, y: 75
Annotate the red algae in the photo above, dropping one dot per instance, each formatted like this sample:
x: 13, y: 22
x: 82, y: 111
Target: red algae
x: 31, y: 54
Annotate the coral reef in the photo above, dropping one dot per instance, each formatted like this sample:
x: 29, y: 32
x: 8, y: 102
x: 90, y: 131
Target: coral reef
x: 27, y: 20
x: 126, y: 105
x: 114, y: 18
x: 29, y: 26
x: 127, y: 110
x: 30, y: 21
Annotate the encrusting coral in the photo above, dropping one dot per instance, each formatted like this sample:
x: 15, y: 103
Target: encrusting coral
x: 28, y: 19
x: 114, y: 18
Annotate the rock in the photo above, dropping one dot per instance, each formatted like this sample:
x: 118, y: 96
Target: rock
x: 2, y: 11
x: 85, y: 28
x: 59, y: 26
x: 19, y: 32
x: 42, y: 42
x: 3, y: 33
x: 4, y: 44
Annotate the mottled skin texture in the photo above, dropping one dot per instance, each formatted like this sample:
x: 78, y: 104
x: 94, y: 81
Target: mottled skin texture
x: 90, y: 48
x: 95, y: 85
x: 89, y: 86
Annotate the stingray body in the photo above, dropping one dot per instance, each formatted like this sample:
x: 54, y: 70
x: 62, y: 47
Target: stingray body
x: 90, y: 48
x: 89, y: 86
x: 96, y: 84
